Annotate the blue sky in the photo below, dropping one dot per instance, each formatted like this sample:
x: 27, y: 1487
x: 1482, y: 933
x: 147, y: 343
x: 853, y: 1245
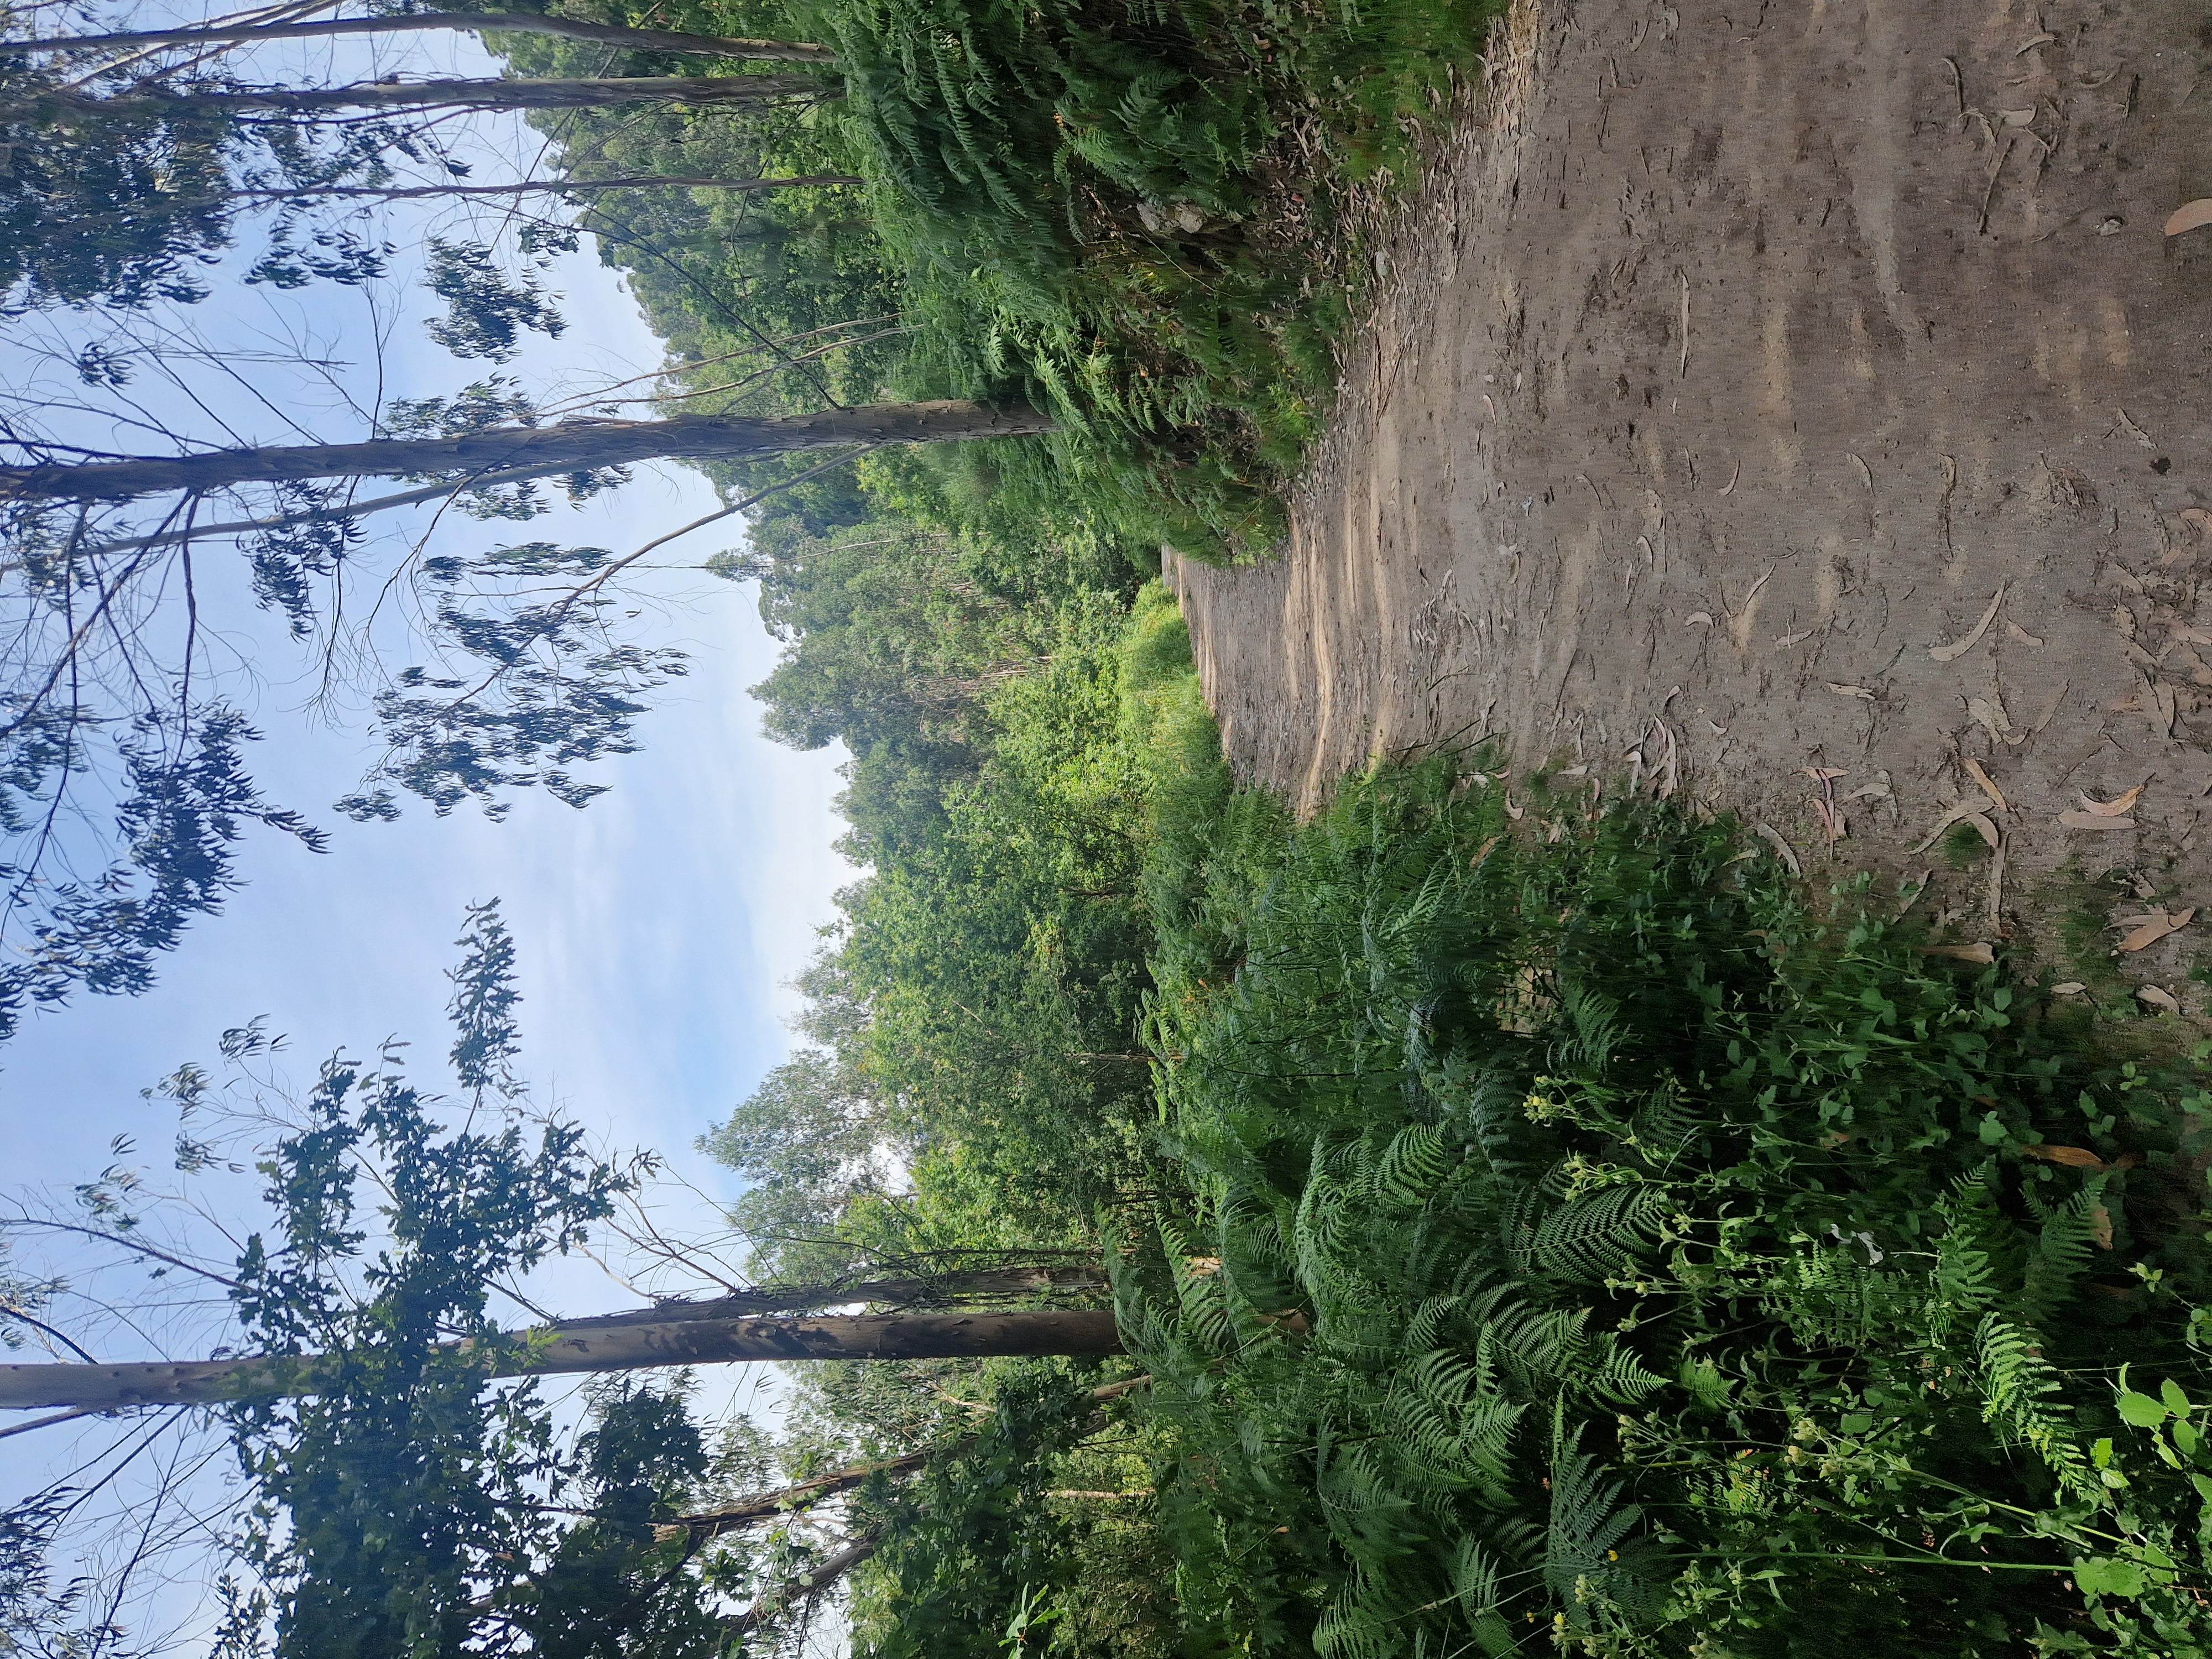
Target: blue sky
x: 657, y: 927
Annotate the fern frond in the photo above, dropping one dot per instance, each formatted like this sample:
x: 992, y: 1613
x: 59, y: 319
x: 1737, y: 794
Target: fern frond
x: 1518, y: 1221
x: 2062, y: 1250
x: 1411, y: 1165
x: 2016, y: 1386
x: 1589, y: 1520
x: 1596, y: 1236
x: 1966, y: 1253
x: 1828, y: 1298
x: 1474, y: 1580
x: 1421, y: 1329
x: 1620, y: 1378
x: 1593, y: 1032
x: 1664, y: 1127
x: 1542, y: 1348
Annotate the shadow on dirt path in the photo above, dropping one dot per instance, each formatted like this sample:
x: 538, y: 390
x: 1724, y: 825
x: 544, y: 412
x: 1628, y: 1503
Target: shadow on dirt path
x: 1764, y: 392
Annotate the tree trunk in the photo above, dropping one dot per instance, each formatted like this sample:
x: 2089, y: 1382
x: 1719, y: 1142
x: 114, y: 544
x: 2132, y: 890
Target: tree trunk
x: 571, y: 446
x: 556, y: 1350
x: 534, y: 186
x: 766, y: 1506
x: 699, y: 91
x: 65, y: 223
x: 605, y: 34
x: 995, y: 1285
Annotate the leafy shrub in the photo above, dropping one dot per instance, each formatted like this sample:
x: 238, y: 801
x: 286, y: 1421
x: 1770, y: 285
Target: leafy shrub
x: 1592, y: 1240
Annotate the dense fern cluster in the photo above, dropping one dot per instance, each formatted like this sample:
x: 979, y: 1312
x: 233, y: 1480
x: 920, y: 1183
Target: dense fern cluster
x: 1595, y: 1246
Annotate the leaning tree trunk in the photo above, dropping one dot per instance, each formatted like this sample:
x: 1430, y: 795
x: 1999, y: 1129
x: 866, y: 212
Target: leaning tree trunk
x: 703, y: 91
x: 65, y: 224
x: 557, y: 1350
x: 769, y: 1505
x: 526, y: 187
x: 1761, y: 388
x: 542, y: 451
x: 909, y: 1291
x: 569, y: 29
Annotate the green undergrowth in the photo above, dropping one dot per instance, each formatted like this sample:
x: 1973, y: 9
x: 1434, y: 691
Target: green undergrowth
x: 1128, y: 213
x: 1143, y: 216
x: 1594, y: 1244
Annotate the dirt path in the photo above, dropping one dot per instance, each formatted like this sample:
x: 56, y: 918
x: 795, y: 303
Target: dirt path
x: 1773, y: 386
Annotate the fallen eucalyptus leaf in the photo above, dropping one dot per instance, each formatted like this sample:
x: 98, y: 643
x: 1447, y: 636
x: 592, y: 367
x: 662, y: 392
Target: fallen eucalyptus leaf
x: 2159, y: 999
x: 2072, y: 987
x: 2152, y: 929
x: 1981, y: 952
x: 2094, y: 821
x: 1952, y: 814
x: 1989, y: 714
x: 1772, y: 836
x: 2188, y: 216
x: 2116, y: 808
x: 1988, y: 787
x: 1952, y: 652
x: 2075, y: 1158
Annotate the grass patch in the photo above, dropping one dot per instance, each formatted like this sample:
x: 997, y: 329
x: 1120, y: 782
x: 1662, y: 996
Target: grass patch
x: 1593, y: 1244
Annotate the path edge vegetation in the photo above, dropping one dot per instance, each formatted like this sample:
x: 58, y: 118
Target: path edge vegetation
x: 1554, y: 1226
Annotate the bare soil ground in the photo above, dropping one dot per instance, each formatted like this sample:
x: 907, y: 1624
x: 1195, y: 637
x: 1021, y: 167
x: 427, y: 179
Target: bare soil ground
x: 1798, y: 406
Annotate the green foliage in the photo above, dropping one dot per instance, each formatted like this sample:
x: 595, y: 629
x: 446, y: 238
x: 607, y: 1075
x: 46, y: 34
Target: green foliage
x: 974, y: 1535
x: 405, y: 1507
x: 973, y: 1015
x: 183, y: 806
x: 486, y: 308
x: 975, y: 1090
x: 1570, y: 1236
x: 1593, y: 1244
x: 1139, y: 217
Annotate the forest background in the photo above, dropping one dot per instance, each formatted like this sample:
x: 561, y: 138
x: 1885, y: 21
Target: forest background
x: 1540, y: 1226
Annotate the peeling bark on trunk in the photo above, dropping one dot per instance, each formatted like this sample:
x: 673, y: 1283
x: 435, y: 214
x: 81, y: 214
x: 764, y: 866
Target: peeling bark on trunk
x: 1735, y: 362
x: 558, y: 1351
x: 580, y: 445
